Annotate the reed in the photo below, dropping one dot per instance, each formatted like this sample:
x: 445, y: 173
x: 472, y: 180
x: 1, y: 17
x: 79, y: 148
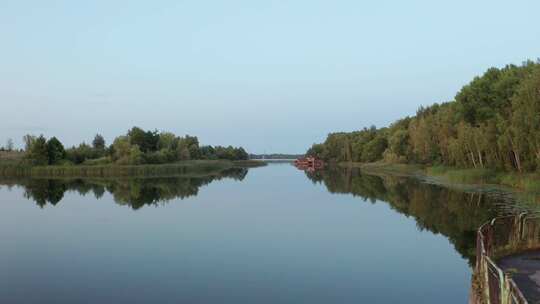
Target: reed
x: 201, y: 167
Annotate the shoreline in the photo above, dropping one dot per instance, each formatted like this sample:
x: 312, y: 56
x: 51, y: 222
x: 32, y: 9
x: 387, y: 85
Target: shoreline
x: 524, y: 188
x: 451, y: 175
x: 183, y: 168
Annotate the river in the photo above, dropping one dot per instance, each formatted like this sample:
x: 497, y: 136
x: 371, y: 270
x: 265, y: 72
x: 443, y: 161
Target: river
x: 273, y: 234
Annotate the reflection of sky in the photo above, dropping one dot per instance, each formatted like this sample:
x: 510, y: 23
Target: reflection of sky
x: 244, y: 72
x: 273, y: 238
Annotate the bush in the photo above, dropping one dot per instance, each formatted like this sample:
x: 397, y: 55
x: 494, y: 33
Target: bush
x: 97, y: 162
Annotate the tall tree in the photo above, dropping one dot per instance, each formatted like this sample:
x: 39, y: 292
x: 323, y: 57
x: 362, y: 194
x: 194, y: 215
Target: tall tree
x: 55, y: 151
x: 37, y: 152
x: 99, y: 142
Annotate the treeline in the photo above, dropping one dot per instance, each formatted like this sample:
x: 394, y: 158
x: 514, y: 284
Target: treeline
x: 135, y: 148
x: 493, y: 123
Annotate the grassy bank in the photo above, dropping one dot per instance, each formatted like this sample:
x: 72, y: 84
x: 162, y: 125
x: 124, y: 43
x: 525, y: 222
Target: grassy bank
x: 380, y: 167
x: 195, y: 167
x: 524, y: 181
x: 529, y: 182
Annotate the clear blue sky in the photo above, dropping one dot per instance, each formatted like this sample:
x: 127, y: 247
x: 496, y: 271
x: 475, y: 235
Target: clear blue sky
x: 271, y: 76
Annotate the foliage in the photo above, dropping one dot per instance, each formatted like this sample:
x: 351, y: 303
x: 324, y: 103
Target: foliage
x: 230, y: 153
x: 37, y: 152
x: 492, y: 124
x: 99, y: 142
x: 55, y: 151
x: 137, y: 147
x: 82, y: 153
x: 147, y: 141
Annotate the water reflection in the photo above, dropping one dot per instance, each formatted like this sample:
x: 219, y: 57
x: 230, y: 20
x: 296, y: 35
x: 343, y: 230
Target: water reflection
x: 455, y: 214
x: 286, y: 239
x: 132, y: 192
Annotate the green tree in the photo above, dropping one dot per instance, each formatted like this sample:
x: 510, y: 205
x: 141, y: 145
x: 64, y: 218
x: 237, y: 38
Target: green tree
x: 99, y: 142
x: 316, y: 150
x: 122, y: 148
x: 37, y: 152
x: 147, y: 141
x: 55, y: 151
x: 208, y: 152
x: 82, y: 153
x: 525, y: 124
x: 192, y: 144
x: 374, y: 149
x: 167, y: 140
x: 135, y: 155
x: 493, y: 123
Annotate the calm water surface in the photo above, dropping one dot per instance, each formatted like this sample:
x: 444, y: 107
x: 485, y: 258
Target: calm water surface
x: 271, y: 235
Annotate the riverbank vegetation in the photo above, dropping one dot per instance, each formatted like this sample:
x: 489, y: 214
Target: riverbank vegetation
x: 182, y: 168
x: 139, y: 152
x: 528, y: 183
x: 492, y: 126
x: 524, y: 181
x: 135, y: 148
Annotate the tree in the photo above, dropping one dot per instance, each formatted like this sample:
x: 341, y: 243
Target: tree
x: 525, y: 125
x: 135, y: 155
x: 192, y: 144
x: 37, y: 152
x: 397, y: 146
x: 147, y: 141
x: 208, y: 152
x: 493, y: 123
x: 167, y: 140
x: 182, y: 152
x: 241, y: 154
x: 121, y: 147
x: 374, y: 149
x: 81, y: 153
x: 316, y: 150
x: 99, y: 142
x: 55, y: 151
x: 28, y: 141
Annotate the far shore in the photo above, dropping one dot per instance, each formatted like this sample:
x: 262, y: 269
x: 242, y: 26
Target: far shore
x: 181, y: 168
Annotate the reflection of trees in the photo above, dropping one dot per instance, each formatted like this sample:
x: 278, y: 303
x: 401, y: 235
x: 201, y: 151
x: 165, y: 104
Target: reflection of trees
x: 133, y: 192
x: 45, y: 191
x: 455, y: 214
x: 139, y: 192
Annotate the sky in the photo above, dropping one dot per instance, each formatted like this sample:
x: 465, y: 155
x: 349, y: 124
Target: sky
x: 271, y: 76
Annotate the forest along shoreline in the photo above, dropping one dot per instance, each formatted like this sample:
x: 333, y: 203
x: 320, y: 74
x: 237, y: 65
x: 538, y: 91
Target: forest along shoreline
x: 138, y: 153
x: 488, y: 135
